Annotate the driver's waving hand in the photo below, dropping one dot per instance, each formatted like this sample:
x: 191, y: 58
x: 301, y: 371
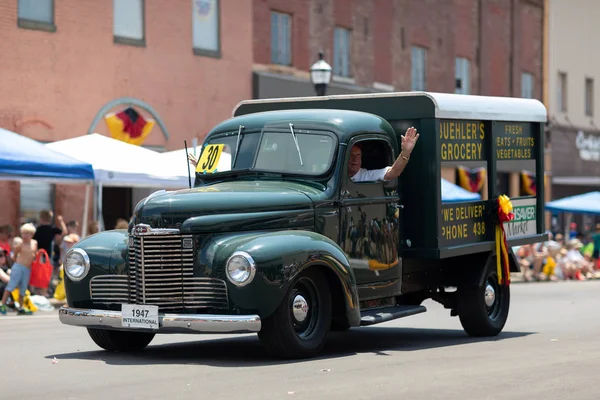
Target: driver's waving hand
x: 358, y: 174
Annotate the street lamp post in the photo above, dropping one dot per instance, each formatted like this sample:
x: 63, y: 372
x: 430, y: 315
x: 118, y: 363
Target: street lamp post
x: 320, y: 75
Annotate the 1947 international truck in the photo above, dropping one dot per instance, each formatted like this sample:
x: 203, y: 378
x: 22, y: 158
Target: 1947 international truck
x: 281, y: 242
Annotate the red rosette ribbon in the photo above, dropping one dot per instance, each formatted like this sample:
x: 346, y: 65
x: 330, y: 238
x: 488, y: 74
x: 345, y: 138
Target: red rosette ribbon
x: 504, y: 214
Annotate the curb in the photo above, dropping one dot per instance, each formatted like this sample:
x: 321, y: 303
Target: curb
x: 57, y: 303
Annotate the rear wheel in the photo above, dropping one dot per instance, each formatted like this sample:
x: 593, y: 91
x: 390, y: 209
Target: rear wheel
x: 301, y: 323
x: 120, y: 340
x: 483, y: 310
x: 339, y: 325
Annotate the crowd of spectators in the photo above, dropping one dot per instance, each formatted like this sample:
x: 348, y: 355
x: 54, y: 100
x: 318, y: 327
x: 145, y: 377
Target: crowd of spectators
x: 52, y: 235
x: 573, y: 258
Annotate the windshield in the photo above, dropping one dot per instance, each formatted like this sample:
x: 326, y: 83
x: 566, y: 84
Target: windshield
x: 274, y: 151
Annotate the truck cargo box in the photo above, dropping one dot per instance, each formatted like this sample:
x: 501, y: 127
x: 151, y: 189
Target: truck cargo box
x: 456, y: 132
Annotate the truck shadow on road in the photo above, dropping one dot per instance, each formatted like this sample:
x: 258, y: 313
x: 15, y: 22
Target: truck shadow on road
x: 246, y: 351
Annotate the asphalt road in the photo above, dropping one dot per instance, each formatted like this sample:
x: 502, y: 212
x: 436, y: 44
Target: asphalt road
x: 550, y: 349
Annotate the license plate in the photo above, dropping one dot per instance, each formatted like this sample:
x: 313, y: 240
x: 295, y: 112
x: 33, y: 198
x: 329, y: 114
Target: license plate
x: 138, y: 316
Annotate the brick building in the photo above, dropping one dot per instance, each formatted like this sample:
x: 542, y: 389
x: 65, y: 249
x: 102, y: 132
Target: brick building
x: 484, y: 47
x: 61, y: 61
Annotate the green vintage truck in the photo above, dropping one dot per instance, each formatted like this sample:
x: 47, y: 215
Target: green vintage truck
x: 275, y: 238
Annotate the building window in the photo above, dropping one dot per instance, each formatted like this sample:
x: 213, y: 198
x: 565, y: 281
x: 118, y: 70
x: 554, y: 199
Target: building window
x: 128, y: 22
x: 562, y: 91
x: 462, y: 74
x: 36, y: 14
x: 526, y: 85
x: 589, y: 97
x: 281, y: 38
x: 35, y: 197
x: 418, y: 68
x: 206, y: 27
x: 342, y: 55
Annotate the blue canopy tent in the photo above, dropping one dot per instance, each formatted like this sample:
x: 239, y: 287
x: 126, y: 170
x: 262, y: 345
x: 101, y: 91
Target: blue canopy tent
x: 588, y: 203
x: 453, y: 193
x: 22, y: 158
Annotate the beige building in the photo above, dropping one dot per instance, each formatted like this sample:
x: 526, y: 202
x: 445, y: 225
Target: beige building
x: 573, y: 75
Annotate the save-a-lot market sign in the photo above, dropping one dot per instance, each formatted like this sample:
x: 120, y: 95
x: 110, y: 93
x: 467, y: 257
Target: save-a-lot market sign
x: 523, y: 223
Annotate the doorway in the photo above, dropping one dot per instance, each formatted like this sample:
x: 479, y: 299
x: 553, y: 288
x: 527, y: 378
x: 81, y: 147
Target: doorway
x: 116, y: 203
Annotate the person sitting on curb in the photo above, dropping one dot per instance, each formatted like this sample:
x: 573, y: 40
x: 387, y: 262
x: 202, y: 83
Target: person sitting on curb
x: 576, y: 263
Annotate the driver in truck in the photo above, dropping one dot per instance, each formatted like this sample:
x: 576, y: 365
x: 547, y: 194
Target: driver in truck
x: 358, y: 174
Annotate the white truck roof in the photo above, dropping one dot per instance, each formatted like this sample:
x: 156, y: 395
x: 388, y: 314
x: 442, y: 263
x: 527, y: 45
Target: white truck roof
x: 449, y: 105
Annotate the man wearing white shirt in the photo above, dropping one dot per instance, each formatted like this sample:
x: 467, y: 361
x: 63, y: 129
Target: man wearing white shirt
x: 358, y: 174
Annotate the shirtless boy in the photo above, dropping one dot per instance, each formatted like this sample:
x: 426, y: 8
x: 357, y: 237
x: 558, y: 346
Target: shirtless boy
x: 25, y: 253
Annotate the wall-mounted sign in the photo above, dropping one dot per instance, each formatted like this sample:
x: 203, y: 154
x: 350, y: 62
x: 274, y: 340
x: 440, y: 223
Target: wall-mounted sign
x: 588, y: 146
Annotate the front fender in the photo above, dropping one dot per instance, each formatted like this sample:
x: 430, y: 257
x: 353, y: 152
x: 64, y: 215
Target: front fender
x: 107, y: 252
x: 280, y: 257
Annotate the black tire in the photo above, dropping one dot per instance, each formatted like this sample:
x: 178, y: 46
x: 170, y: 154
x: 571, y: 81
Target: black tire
x: 120, y: 340
x: 281, y: 333
x: 481, y: 319
x: 338, y: 325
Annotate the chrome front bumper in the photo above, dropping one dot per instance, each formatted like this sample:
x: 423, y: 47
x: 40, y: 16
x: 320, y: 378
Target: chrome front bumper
x: 168, y: 323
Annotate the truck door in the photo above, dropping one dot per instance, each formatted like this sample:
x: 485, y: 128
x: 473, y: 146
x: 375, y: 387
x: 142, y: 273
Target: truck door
x: 370, y: 222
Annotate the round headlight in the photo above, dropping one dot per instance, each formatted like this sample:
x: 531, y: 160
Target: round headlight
x: 240, y: 268
x: 77, y: 264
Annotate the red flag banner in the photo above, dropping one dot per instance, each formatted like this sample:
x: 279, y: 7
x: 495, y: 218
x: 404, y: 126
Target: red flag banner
x: 528, y: 183
x: 129, y: 126
x: 471, y: 179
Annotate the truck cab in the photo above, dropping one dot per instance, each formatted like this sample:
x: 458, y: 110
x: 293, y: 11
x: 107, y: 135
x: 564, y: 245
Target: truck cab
x: 275, y: 237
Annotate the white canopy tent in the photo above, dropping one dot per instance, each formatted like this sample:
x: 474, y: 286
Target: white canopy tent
x: 119, y: 164
x: 177, y: 159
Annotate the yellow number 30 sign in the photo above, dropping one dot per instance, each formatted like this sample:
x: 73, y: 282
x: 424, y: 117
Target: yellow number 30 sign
x: 209, y: 160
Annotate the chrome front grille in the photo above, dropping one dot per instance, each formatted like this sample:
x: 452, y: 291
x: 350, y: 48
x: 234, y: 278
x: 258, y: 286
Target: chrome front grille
x: 109, y: 289
x: 161, y: 272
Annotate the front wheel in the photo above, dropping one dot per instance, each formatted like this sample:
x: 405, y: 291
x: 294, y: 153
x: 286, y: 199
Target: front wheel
x: 120, y: 340
x: 301, y: 323
x: 483, y: 310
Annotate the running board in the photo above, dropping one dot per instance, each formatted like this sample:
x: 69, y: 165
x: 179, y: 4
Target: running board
x: 379, y: 315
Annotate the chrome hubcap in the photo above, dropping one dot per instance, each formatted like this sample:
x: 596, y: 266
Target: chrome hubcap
x: 490, y: 295
x: 300, y: 308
